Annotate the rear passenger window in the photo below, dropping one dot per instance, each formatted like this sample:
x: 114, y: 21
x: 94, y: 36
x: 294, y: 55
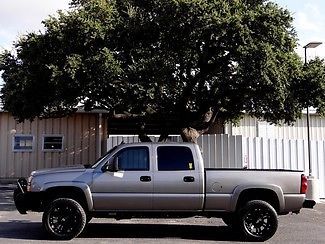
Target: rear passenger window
x: 174, y: 158
x: 134, y: 159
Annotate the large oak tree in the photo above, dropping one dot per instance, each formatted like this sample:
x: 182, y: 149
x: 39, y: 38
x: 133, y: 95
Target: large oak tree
x: 194, y: 61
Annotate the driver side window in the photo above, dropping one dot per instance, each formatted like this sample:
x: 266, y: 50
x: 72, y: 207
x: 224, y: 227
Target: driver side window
x: 133, y: 159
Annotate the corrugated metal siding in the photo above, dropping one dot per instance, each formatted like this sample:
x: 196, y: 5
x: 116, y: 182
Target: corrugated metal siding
x: 80, y: 143
x: 267, y: 153
x: 251, y: 127
x: 217, y: 150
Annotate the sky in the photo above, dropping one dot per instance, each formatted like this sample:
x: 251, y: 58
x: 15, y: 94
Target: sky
x: 309, y: 22
x: 18, y: 17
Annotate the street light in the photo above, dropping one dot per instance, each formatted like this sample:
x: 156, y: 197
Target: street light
x: 309, y: 45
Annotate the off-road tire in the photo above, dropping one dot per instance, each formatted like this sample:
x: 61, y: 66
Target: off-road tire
x: 64, y: 219
x: 258, y: 221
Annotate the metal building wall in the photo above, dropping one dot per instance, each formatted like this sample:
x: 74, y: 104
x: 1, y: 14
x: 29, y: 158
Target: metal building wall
x: 270, y: 153
x: 80, y: 134
x: 218, y: 150
x: 251, y: 127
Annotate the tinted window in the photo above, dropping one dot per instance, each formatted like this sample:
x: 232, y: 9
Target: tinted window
x: 134, y: 158
x: 175, y: 158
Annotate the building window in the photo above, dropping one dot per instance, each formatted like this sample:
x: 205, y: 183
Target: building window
x: 23, y: 143
x: 52, y: 143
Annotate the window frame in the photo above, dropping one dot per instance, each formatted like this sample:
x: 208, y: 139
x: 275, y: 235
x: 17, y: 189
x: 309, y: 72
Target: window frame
x: 173, y: 146
x: 24, y: 149
x: 129, y: 148
x: 52, y: 150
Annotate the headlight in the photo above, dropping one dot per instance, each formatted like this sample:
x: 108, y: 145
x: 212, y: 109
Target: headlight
x: 29, y: 183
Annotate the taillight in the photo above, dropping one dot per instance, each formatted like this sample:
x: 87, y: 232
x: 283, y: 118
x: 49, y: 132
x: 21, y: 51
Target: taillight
x: 304, y: 184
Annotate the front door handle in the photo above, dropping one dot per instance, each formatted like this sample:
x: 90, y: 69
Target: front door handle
x: 145, y: 178
x: 189, y: 179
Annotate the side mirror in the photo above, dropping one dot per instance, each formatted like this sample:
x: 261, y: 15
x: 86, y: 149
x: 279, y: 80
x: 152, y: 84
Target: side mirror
x: 111, y: 166
x: 116, y: 164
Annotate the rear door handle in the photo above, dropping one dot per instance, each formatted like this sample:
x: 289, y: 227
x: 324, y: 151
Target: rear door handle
x: 145, y: 178
x: 189, y: 179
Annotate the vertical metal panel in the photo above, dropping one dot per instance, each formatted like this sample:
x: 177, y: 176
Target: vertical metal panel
x: 321, y: 170
x: 232, y: 151
x: 251, y: 154
x: 204, y: 141
x: 218, y: 150
x: 77, y: 141
x: 278, y: 149
x: 288, y: 154
x: 313, y: 154
x: 272, y: 153
x: 251, y: 127
x: 212, y: 152
x: 225, y: 151
x: 3, y: 144
x: 300, y: 155
x: 55, y: 157
x: 257, y: 149
x: 239, y: 157
x: 18, y: 164
x: 265, y: 162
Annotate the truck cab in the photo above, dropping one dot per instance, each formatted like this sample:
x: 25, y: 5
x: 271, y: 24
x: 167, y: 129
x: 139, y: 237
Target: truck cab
x: 150, y: 177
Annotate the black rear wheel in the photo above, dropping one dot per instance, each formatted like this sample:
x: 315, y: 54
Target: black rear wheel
x: 64, y: 218
x: 258, y: 220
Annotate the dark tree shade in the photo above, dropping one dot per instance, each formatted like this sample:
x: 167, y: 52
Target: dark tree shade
x: 190, y: 60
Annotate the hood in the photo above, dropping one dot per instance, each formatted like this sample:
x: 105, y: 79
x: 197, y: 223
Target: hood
x: 78, y: 168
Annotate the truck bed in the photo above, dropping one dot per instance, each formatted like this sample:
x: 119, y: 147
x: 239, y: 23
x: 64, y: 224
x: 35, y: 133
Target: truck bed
x: 223, y: 187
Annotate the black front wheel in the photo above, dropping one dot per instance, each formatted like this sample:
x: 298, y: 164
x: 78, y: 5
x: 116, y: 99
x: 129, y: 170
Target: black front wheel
x: 64, y: 219
x: 258, y: 220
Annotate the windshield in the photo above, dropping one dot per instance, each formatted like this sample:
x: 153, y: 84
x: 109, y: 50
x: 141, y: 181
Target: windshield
x: 103, y: 157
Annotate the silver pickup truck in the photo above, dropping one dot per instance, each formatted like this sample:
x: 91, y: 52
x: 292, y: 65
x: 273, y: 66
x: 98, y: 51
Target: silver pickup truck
x: 161, y: 180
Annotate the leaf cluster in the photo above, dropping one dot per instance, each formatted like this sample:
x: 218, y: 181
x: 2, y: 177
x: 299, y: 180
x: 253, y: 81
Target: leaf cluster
x: 166, y: 58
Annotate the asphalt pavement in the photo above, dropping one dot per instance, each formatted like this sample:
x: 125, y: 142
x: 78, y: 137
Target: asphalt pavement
x: 6, y: 196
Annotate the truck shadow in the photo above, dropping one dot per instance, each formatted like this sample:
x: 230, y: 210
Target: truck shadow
x: 6, y: 199
x: 25, y: 230
x: 22, y: 230
x: 174, y: 231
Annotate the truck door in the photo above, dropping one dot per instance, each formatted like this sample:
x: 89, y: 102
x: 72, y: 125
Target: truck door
x: 178, y: 185
x: 130, y: 188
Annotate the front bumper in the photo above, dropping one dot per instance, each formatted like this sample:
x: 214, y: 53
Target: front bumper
x: 25, y: 200
x: 309, y: 203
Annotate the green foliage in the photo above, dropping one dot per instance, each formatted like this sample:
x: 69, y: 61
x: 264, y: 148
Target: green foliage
x: 310, y: 88
x: 160, y: 57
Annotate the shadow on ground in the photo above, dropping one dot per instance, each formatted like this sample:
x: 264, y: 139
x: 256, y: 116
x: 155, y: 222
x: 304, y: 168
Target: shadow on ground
x: 190, y: 232
x: 24, y: 230
x: 7, y: 201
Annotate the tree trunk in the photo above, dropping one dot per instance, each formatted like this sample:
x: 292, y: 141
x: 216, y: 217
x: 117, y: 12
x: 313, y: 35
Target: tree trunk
x: 163, y: 137
x: 190, y: 134
x: 144, y: 137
